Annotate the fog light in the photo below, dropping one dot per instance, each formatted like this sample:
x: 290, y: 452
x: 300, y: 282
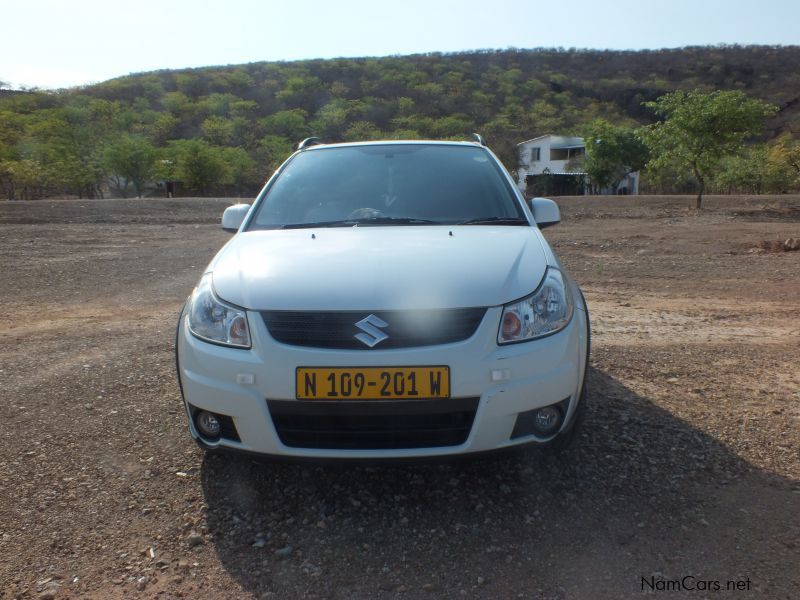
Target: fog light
x: 542, y: 422
x: 546, y: 420
x: 208, y: 424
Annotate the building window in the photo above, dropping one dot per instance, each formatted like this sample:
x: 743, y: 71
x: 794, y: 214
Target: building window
x: 536, y: 154
x: 566, y: 153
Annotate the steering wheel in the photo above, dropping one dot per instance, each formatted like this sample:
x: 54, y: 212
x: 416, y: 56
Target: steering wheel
x: 366, y: 213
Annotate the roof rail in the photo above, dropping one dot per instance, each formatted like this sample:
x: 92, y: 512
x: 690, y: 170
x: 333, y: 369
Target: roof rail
x: 479, y: 138
x: 309, y: 141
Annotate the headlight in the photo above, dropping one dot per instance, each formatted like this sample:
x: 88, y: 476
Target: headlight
x: 546, y: 311
x: 212, y: 320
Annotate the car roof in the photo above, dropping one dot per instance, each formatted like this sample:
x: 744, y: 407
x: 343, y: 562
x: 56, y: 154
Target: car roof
x: 393, y: 143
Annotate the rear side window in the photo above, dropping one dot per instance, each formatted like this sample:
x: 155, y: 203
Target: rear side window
x: 439, y: 183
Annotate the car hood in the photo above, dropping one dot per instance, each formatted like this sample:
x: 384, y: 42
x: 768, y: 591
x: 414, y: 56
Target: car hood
x: 379, y: 268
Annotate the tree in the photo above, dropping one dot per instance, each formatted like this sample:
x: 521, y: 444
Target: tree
x: 162, y: 128
x: 453, y: 126
x: 746, y: 172
x: 306, y: 92
x: 272, y: 150
x: 132, y: 160
x: 700, y: 129
x: 287, y: 123
x: 197, y: 164
x: 21, y: 179
x: 330, y: 121
x: 218, y: 130
x: 784, y: 162
x: 611, y: 153
x: 362, y: 130
x: 241, y: 170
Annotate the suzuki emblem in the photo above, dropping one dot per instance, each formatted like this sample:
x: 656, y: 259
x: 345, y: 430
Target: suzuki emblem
x: 372, y: 335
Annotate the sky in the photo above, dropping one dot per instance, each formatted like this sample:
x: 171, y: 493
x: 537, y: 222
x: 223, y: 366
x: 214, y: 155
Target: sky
x: 55, y: 44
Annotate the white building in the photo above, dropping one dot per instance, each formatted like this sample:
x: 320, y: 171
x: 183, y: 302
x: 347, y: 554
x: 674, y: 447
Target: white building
x: 554, y: 162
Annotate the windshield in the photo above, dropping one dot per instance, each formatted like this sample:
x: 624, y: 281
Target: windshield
x: 409, y: 184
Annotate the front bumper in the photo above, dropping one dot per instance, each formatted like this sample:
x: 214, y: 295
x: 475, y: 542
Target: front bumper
x: 504, y: 381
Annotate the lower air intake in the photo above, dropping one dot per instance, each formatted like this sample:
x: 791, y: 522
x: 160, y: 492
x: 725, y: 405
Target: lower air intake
x: 373, y: 425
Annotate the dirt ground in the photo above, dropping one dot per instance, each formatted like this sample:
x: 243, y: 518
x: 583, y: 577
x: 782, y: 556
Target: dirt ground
x: 687, y: 469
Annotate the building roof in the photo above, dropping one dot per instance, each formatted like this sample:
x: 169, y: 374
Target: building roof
x: 564, y: 141
x: 534, y: 139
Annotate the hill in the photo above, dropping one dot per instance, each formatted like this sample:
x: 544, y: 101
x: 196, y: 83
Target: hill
x: 55, y: 140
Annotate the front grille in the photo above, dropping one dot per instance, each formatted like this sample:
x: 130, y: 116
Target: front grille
x: 406, y: 328
x: 373, y: 424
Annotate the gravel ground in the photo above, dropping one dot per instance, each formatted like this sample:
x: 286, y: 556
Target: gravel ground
x: 688, y: 463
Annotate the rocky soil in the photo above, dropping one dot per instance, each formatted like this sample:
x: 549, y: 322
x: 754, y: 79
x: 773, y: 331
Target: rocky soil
x: 688, y: 464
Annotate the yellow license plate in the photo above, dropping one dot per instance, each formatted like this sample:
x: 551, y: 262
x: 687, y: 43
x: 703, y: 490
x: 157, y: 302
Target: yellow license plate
x: 372, y: 383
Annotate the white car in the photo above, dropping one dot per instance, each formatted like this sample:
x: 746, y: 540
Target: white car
x: 384, y: 300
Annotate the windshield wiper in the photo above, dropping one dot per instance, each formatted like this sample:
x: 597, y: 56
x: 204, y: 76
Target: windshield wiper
x: 315, y: 224
x: 393, y: 221
x: 494, y: 221
x: 357, y: 222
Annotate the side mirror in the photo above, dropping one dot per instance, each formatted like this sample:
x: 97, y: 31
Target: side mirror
x: 545, y: 212
x: 233, y: 217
